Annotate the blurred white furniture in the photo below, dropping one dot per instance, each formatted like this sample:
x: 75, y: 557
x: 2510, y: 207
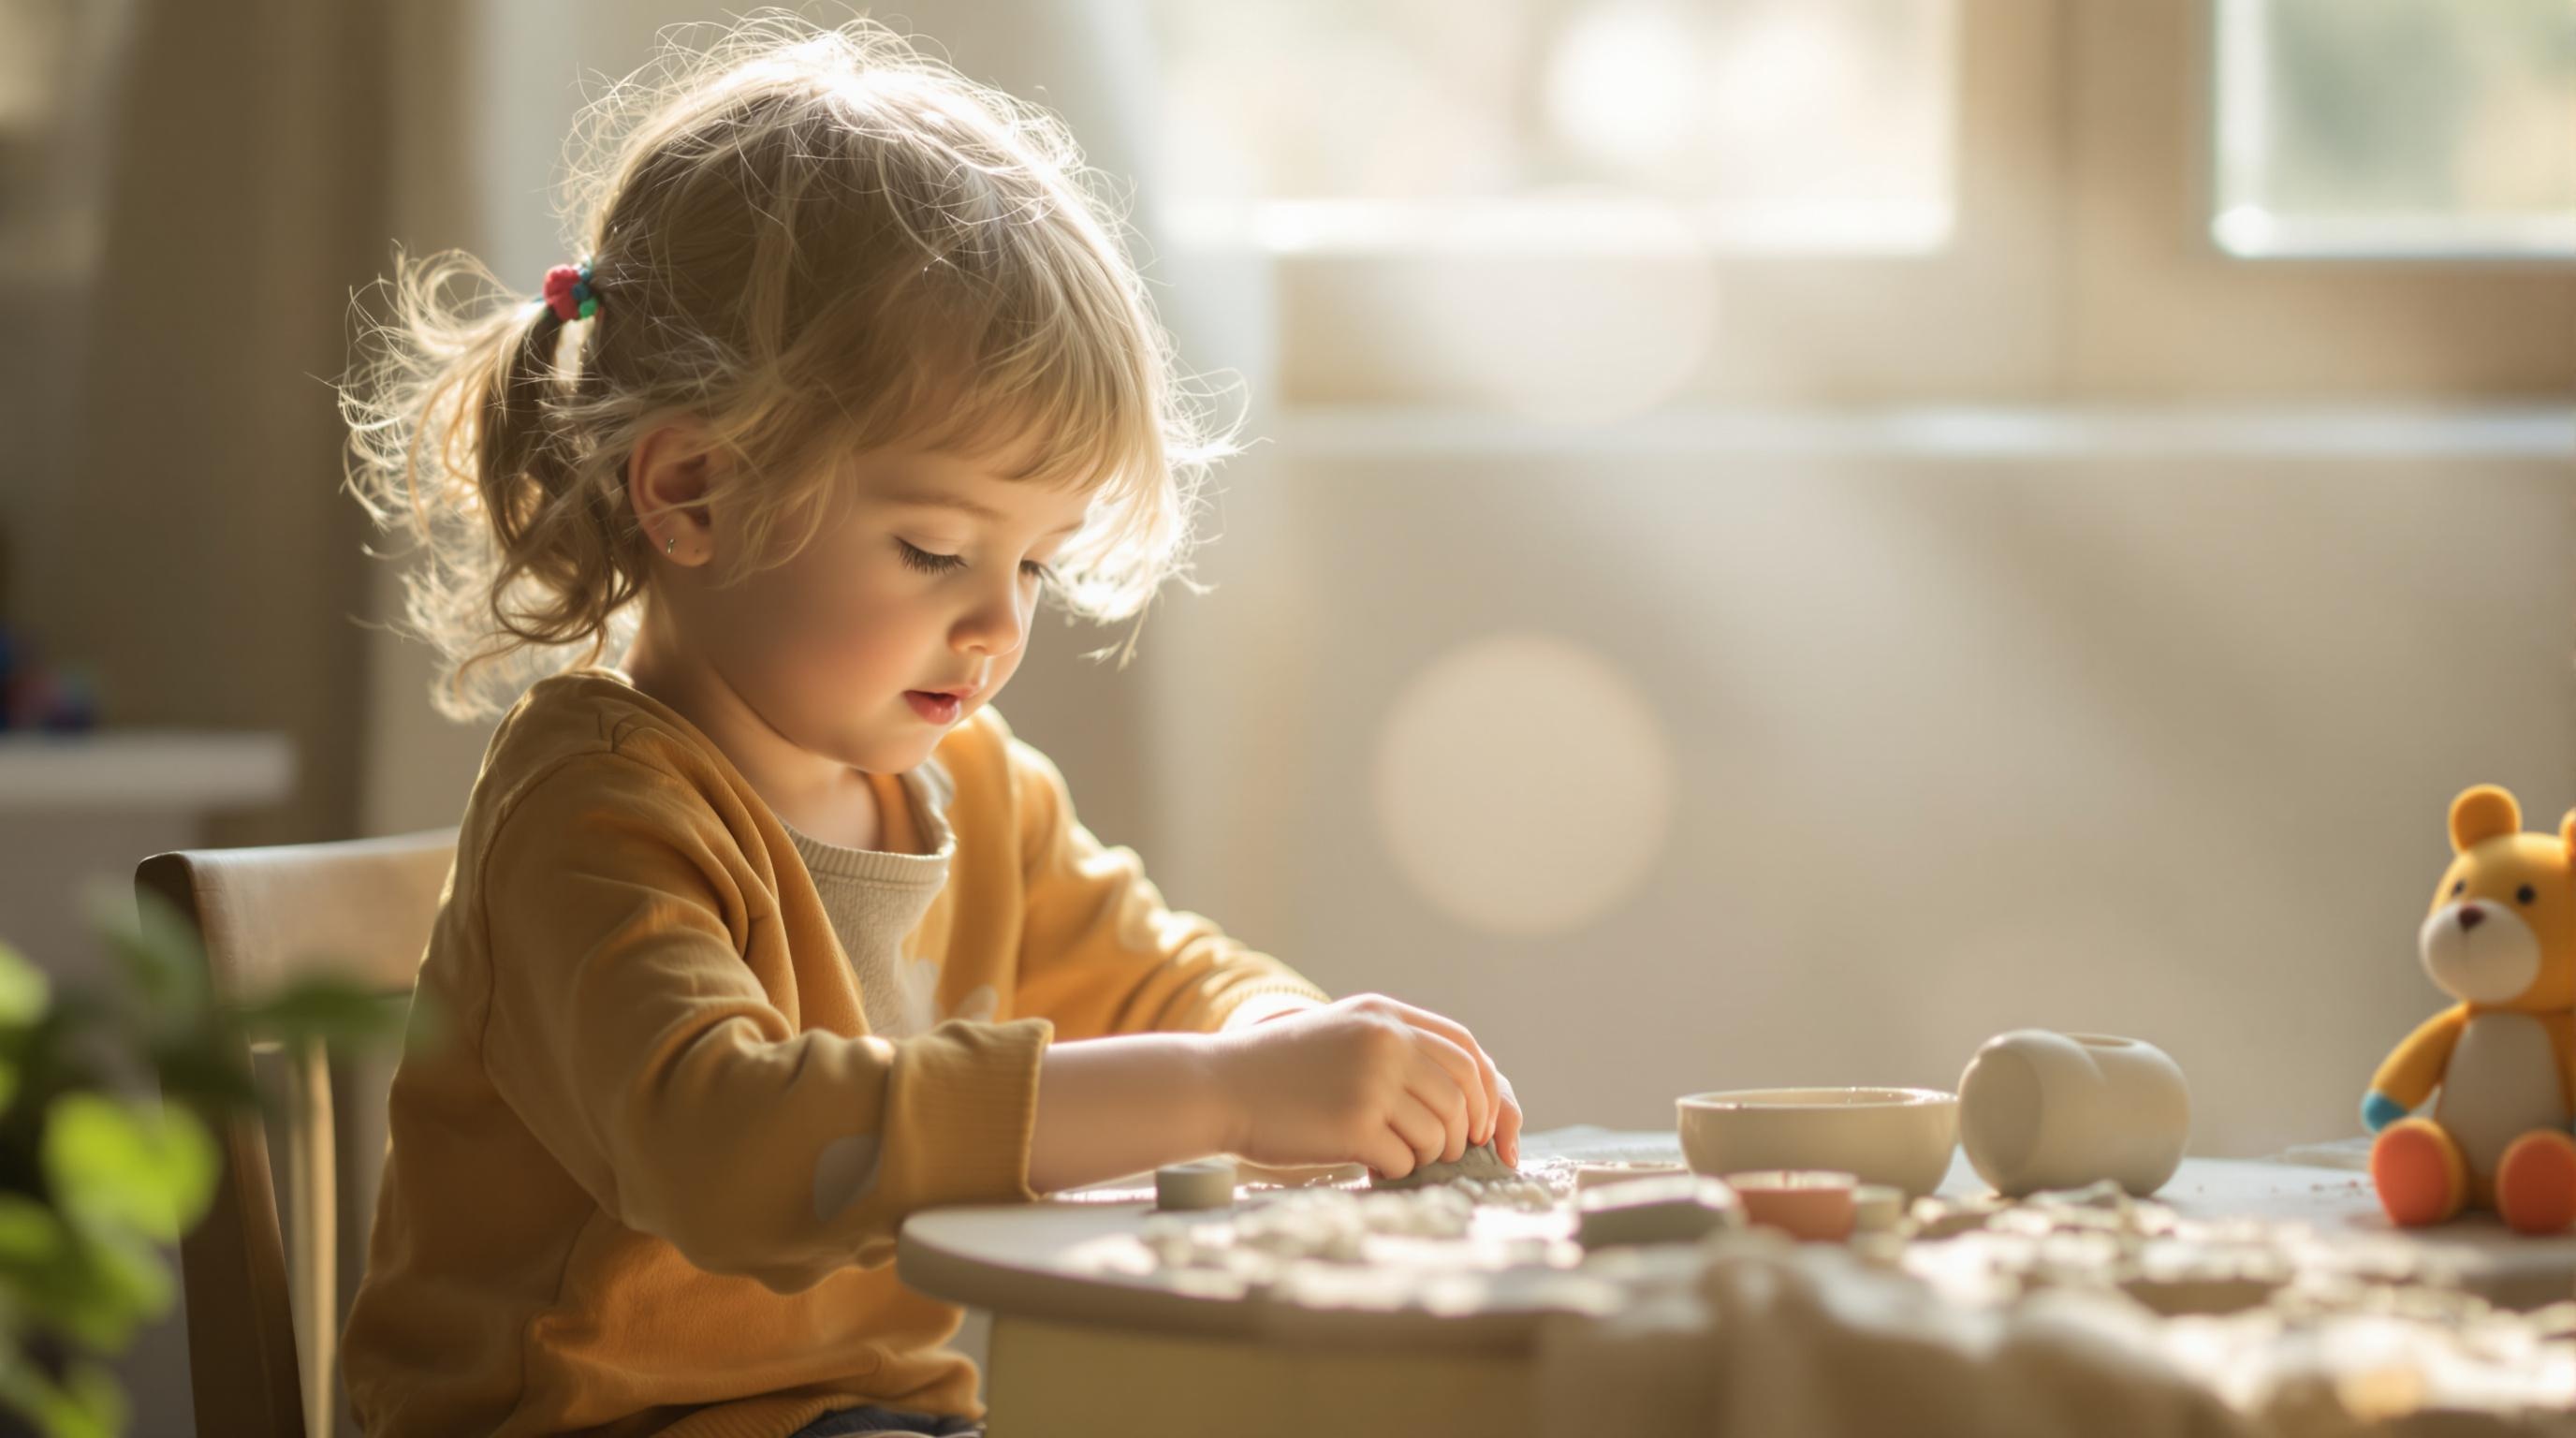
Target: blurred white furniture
x: 143, y: 771
x: 78, y: 809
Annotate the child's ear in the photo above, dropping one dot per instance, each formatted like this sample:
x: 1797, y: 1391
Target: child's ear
x: 667, y: 477
x: 2483, y: 813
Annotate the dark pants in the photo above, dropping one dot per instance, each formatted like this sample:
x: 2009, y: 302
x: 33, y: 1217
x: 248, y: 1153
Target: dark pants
x: 853, y: 1422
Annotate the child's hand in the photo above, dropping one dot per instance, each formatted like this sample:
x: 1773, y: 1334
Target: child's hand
x: 1367, y: 1080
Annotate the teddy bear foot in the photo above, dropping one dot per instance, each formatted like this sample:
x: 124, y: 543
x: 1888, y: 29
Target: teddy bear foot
x: 2419, y: 1172
x: 2536, y: 1182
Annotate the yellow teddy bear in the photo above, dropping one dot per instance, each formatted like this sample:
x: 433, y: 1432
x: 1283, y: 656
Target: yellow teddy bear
x: 2501, y: 940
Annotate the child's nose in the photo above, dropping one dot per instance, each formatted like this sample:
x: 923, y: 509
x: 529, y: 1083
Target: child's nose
x: 996, y: 627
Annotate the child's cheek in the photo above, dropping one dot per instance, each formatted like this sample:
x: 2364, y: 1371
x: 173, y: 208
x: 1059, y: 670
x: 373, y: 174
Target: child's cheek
x: 873, y: 641
x: 846, y: 605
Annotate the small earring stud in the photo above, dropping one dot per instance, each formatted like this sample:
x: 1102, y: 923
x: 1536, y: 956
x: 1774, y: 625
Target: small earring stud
x: 670, y: 544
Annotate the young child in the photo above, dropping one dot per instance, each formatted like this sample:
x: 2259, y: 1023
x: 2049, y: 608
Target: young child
x: 771, y: 933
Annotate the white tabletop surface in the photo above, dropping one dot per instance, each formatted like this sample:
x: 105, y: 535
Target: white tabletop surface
x: 1076, y: 1257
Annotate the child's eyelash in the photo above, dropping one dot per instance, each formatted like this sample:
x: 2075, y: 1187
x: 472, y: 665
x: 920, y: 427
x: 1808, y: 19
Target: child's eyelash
x: 925, y: 561
x: 915, y: 557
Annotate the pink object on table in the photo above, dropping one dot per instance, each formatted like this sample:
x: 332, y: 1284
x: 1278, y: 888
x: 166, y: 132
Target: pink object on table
x: 1811, y: 1204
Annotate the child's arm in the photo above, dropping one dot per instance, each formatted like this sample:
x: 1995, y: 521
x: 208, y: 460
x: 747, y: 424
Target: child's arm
x: 1108, y: 962
x: 1367, y: 1080
x: 2562, y: 1035
x: 1112, y: 1107
x: 624, y: 1028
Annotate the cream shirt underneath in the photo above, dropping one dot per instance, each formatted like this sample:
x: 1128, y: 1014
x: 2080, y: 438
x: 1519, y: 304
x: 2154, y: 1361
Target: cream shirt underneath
x: 875, y: 898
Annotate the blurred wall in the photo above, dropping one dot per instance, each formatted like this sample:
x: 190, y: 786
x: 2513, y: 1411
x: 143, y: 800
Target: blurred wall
x: 184, y: 546
x: 2156, y: 743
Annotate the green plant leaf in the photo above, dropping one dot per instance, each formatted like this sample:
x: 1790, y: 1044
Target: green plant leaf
x: 324, y: 1009
x: 30, y: 1235
x: 89, y: 1404
x: 142, y: 1166
x: 97, y: 1399
x: 91, y: 1288
x: 125, y: 1281
x: 24, y: 989
x: 211, y: 1071
x: 157, y: 949
x: 94, y: 1185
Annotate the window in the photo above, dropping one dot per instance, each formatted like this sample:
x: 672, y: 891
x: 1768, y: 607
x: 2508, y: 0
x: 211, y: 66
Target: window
x: 1753, y: 125
x: 2396, y: 127
x: 1589, y: 210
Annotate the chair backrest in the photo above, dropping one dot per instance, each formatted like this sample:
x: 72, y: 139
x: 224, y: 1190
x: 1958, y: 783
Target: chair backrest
x: 263, y: 1325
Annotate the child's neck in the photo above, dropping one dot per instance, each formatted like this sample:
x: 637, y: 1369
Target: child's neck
x: 818, y: 797
x: 853, y: 821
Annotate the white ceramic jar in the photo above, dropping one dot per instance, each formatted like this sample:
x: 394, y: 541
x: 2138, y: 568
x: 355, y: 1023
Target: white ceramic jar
x: 2042, y: 1110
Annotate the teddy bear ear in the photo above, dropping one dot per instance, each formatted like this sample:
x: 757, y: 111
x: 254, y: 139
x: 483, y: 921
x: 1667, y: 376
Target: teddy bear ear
x: 2567, y: 832
x: 2481, y: 814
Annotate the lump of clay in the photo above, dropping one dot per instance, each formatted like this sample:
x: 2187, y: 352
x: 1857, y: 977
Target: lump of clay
x: 1478, y: 1163
x: 1655, y: 1210
x: 1192, y: 1187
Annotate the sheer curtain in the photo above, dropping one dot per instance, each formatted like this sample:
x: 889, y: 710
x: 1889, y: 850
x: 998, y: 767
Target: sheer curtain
x: 196, y: 549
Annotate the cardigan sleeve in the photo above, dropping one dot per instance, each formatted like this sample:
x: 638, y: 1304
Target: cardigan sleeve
x: 1101, y: 953
x: 627, y: 1033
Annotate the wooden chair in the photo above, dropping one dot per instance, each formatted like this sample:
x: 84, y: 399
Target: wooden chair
x: 263, y: 1324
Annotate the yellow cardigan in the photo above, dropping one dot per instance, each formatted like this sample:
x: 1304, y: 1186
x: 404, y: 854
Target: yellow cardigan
x: 647, y: 1164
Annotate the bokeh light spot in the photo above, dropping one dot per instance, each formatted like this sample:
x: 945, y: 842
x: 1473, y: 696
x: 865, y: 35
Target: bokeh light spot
x: 1523, y: 784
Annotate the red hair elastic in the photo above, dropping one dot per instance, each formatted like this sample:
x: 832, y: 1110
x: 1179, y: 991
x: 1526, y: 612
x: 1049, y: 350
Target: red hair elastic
x: 568, y: 292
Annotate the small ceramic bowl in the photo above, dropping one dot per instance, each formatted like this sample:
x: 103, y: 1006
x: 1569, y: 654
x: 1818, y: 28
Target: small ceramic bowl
x: 1901, y: 1137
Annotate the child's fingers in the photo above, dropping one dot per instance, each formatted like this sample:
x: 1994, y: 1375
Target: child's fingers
x: 1460, y: 1071
x: 1387, y: 1153
x: 1507, y: 1130
x: 1489, y: 1078
x: 1436, y: 1085
x: 1423, y: 1134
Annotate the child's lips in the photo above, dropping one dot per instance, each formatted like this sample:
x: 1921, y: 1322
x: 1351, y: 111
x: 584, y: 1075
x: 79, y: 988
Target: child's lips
x: 937, y: 706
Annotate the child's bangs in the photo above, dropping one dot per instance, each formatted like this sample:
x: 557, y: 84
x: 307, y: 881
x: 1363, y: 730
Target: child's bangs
x: 1052, y: 398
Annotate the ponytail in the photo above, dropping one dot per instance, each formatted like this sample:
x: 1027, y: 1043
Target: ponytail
x: 461, y: 442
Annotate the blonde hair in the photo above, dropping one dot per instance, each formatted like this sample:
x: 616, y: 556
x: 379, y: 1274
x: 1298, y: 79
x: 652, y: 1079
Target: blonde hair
x: 817, y: 242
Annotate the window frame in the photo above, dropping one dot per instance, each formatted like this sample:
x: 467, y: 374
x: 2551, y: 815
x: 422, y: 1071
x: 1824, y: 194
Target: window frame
x: 2160, y: 311
x: 2082, y: 268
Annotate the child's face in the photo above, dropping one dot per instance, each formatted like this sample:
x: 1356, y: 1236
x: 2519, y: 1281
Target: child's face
x: 907, y: 613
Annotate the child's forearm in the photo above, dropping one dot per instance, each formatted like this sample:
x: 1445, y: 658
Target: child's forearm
x: 1116, y: 1106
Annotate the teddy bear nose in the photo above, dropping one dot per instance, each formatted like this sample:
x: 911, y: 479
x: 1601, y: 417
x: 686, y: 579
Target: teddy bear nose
x: 2472, y: 916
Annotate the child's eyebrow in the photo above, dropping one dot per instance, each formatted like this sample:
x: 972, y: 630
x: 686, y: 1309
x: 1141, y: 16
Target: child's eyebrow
x: 932, y: 500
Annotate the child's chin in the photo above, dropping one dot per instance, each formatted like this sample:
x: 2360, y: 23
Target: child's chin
x: 894, y: 755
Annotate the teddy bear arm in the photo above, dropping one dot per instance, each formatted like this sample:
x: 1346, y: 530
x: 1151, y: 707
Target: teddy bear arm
x: 2416, y: 1065
x: 2562, y: 1039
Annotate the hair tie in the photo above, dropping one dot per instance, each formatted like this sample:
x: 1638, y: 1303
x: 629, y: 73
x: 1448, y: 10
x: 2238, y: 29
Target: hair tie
x: 568, y: 292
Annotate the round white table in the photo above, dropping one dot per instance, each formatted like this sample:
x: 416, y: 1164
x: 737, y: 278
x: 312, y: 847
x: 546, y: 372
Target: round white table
x: 1091, y: 1338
